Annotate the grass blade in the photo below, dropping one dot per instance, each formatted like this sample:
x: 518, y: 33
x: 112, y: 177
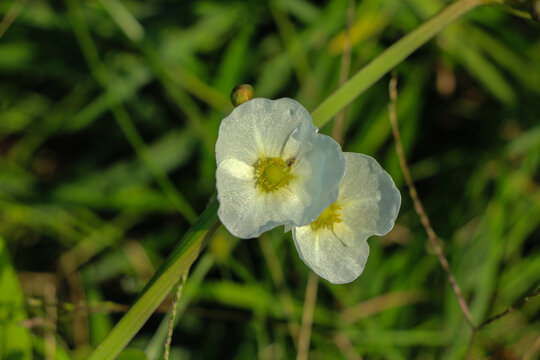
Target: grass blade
x: 392, y: 56
x: 180, y: 260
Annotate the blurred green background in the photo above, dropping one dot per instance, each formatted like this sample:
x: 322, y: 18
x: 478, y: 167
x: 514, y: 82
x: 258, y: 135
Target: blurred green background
x: 109, y: 112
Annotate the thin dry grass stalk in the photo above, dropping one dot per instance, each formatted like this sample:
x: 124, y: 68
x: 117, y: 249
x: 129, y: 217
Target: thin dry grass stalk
x: 172, y: 319
x: 419, y: 208
x: 346, y: 347
x: 307, y: 317
x: 339, y: 123
x: 11, y: 15
x: 434, y: 240
x: 510, y: 309
x: 279, y: 282
x: 530, y: 353
x: 381, y: 303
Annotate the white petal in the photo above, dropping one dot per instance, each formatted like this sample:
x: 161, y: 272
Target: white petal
x: 328, y: 257
x: 239, y: 200
x: 369, y: 203
x: 318, y: 170
x: 281, y: 128
x: 369, y: 198
x: 259, y: 127
x: 246, y: 211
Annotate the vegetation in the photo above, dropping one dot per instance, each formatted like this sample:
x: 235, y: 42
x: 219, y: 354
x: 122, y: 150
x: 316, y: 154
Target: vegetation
x: 109, y: 112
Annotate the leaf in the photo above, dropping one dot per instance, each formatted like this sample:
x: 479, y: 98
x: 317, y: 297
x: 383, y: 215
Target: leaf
x: 120, y: 185
x: 14, y: 338
x: 161, y: 284
x: 132, y: 354
x: 392, y: 56
x: 245, y: 296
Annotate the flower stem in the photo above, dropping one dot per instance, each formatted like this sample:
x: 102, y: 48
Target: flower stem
x: 392, y: 56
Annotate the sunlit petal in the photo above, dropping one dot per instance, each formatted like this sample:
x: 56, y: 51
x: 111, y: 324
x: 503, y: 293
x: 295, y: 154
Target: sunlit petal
x: 328, y: 256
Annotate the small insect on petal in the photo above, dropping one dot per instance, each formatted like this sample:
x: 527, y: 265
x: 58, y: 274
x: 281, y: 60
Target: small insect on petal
x: 291, y: 161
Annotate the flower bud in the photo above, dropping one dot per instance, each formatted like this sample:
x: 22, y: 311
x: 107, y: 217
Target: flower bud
x: 241, y: 93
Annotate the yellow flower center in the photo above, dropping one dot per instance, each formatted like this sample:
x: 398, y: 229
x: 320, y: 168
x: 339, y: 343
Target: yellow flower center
x: 328, y: 218
x: 271, y: 173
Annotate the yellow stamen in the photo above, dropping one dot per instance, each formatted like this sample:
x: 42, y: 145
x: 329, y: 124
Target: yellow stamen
x: 328, y: 218
x: 271, y: 173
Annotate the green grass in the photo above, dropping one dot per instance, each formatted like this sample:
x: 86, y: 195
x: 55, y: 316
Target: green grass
x: 108, y: 115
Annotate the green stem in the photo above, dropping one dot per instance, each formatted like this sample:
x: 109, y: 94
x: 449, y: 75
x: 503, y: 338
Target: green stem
x: 185, y: 253
x: 392, y: 56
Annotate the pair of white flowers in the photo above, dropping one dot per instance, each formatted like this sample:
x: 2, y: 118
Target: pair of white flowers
x: 274, y: 168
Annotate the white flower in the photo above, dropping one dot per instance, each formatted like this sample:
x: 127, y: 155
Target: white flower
x: 273, y: 168
x: 335, y: 245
